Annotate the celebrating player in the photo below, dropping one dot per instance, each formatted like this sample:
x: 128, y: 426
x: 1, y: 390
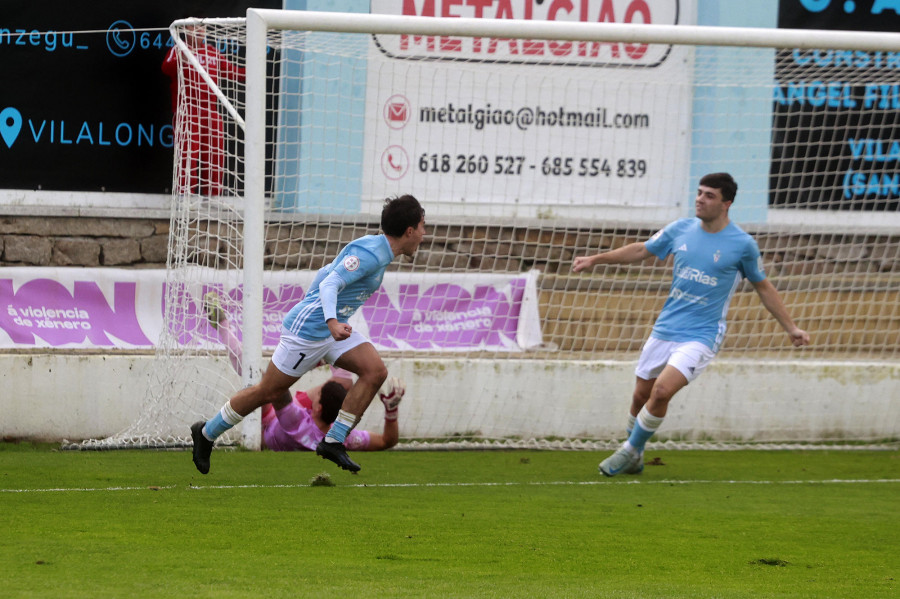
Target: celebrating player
x: 300, y: 424
x: 712, y: 256
x: 316, y: 329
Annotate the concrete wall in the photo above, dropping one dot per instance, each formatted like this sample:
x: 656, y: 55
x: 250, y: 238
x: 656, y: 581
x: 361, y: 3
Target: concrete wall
x: 55, y: 396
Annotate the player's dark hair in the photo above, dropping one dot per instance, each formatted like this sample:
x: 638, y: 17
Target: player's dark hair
x: 723, y: 182
x: 400, y: 213
x: 331, y: 399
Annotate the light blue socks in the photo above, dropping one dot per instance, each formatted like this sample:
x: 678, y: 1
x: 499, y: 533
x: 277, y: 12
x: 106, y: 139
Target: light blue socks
x: 645, y: 426
x: 341, y: 427
x: 221, y: 422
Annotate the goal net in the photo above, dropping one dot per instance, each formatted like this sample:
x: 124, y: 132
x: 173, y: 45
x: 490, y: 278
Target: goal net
x: 528, y: 144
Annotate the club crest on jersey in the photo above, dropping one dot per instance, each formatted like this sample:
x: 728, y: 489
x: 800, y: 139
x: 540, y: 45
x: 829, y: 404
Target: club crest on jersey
x: 351, y: 263
x: 716, y: 256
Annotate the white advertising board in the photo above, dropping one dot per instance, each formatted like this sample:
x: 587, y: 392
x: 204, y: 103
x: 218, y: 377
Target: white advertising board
x: 531, y: 128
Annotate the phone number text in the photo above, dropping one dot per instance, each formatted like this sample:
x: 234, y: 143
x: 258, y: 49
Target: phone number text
x: 550, y: 166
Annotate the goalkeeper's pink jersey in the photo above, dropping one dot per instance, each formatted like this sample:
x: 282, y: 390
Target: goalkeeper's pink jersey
x: 307, y: 435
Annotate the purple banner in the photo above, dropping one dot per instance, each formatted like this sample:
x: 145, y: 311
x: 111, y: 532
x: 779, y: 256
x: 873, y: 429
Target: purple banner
x: 77, y: 314
x: 112, y: 308
x: 445, y: 316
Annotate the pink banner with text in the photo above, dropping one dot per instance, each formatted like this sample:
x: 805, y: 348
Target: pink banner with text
x: 123, y: 309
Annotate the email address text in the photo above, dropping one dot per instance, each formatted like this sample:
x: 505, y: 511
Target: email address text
x: 527, y: 117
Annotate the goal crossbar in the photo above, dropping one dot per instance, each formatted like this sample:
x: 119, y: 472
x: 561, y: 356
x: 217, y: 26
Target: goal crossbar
x: 695, y: 35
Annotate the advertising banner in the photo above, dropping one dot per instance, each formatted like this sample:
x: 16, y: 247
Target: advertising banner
x: 531, y: 127
x: 85, y: 106
x: 123, y: 309
x: 835, y: 141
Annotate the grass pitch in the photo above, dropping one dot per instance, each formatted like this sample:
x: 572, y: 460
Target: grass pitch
x: 449, y: 524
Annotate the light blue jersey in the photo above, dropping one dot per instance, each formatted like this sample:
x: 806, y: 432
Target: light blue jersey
x: 708, y: 269
x: 341, y: 287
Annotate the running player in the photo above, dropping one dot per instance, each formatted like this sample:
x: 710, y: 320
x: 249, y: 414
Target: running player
x: 712, y: 256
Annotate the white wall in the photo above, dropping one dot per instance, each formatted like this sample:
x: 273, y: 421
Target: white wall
x: 76, y: 396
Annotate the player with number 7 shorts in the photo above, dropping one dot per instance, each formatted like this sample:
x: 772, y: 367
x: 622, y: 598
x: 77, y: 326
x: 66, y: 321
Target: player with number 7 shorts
x: 317, y: 329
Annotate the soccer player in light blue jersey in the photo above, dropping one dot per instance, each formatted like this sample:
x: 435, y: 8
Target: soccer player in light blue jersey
x: 317, y: 329
x: 712, y: 256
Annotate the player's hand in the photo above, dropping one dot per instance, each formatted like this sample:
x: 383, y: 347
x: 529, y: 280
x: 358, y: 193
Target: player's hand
x: 390, y: 394
x: 339, y: 330
x: 799, y: 337
x: 582, y: 262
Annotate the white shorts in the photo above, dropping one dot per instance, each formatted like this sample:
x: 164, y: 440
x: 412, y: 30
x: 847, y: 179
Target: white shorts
x: 689, y: 358
x: 295, y: 356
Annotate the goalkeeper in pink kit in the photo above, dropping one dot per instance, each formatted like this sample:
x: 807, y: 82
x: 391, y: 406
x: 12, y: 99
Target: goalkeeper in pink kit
x: 303, y: 423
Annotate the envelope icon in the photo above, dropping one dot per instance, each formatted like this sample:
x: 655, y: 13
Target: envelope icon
x: 397, y: 111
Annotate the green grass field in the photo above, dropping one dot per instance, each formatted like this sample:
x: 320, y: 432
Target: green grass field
x: 449, y: 524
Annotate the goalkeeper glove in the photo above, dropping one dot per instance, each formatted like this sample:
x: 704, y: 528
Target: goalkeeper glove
x: 391, y: 393
x: 212, y: 303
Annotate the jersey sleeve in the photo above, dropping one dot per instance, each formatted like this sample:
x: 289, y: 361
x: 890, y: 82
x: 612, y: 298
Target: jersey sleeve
x: 660, y: 245
x: 328, y: 292
x: 752, y: 263
x: 357, y: 440
x: 356, y: 263
x: 170, y: 62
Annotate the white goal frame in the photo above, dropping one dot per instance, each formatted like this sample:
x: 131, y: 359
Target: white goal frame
x: 838, y: 265
x: 823, y: 386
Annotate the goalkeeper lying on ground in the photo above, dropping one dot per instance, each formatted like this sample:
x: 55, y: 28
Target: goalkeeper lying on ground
x: 303, y: 423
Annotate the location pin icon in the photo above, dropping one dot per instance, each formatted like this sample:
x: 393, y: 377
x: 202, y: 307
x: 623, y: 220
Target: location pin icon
x: 10, y: 125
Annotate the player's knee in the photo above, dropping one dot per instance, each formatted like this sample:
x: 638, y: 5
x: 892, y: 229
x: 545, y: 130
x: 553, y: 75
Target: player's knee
x: 662, y: 393
x: 376, y: 375
x: 274, y: 396
x: 382, y: 375
x: 639, y: 397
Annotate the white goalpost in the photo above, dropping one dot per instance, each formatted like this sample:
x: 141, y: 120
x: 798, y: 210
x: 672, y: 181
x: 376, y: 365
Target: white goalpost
x: 530, y: 143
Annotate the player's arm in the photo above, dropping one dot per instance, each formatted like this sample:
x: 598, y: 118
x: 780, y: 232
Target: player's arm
x: 328, y: 293
x: 390, y: 394
x: 772, y: 301
x: 170, y: 62
x: 387, y: 439
x: 627, y: 254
